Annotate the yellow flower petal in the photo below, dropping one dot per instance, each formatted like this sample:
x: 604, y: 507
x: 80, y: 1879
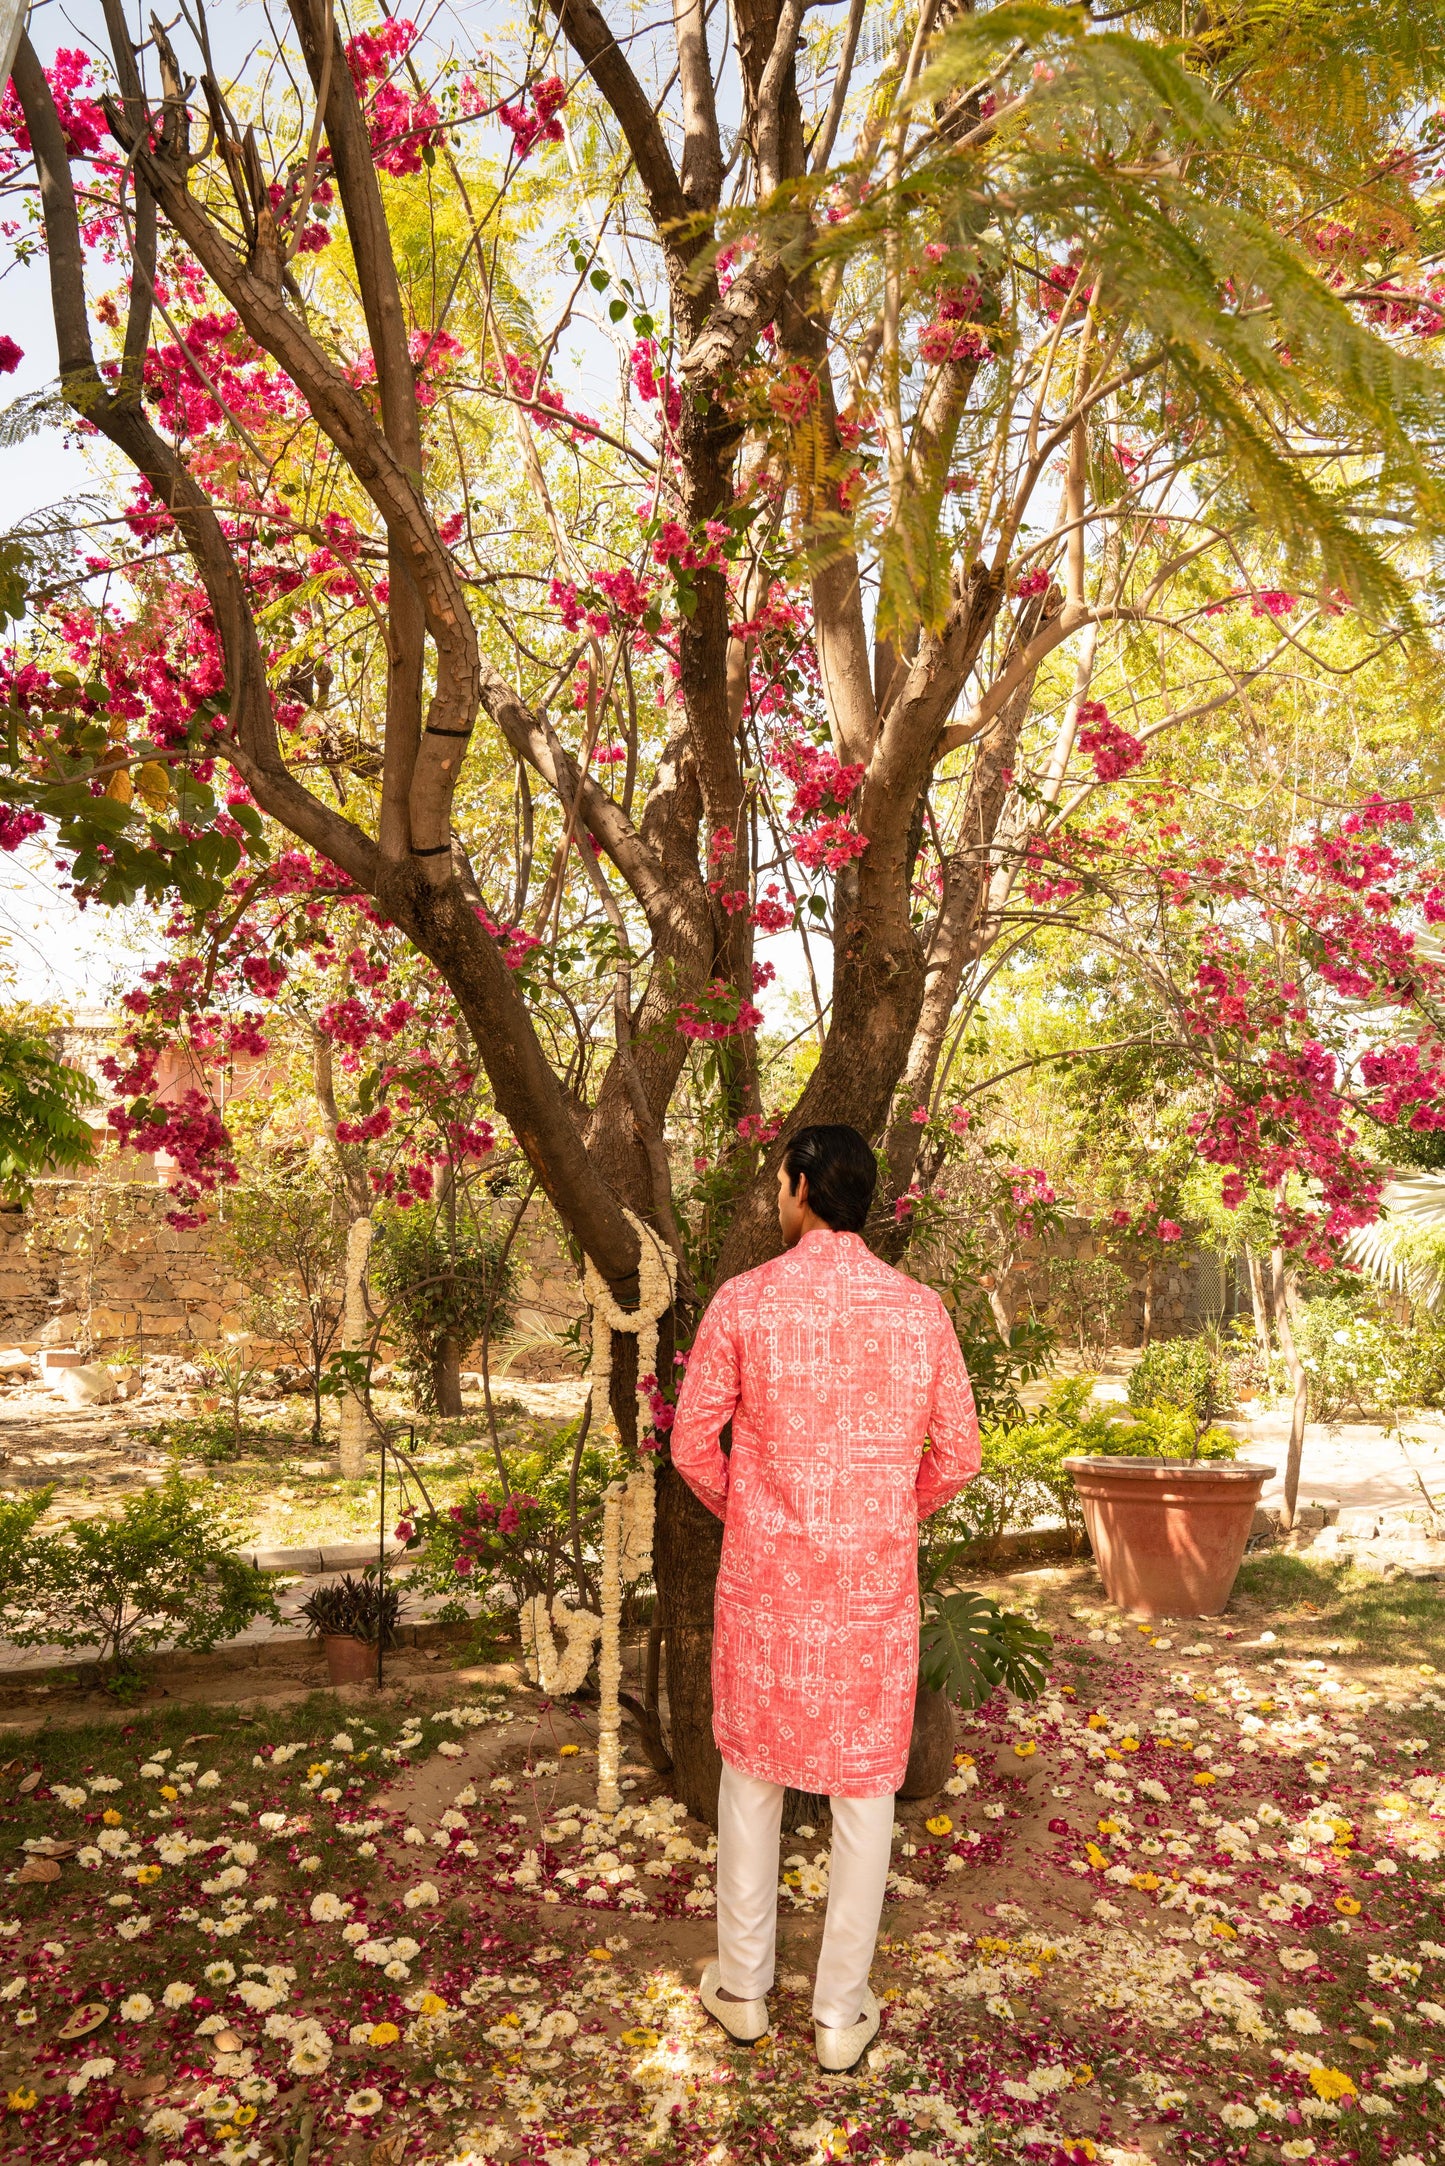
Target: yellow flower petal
x: 940, y: 1824
x: 1347, y: 1906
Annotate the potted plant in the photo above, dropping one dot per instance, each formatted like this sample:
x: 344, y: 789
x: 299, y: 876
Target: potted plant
x: 1168, y: 1508
x: 353, y: 1618
x: 967, y: 1646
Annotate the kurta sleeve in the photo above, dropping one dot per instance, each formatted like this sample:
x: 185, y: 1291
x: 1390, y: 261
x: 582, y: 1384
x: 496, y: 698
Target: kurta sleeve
x: 710, y: 1392
x: 952, y: 1458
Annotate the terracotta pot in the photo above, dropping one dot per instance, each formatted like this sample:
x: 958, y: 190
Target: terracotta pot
x: 930, y: 1754
x: 1168, y: 1535
x: 349, y: 1661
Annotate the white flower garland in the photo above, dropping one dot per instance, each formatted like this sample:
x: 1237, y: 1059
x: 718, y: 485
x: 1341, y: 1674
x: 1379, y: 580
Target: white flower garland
x: 628, y: 1511
x: 639, y: 1509
x: 609, y: 1660
x: 656, y: 1284
x: 556, y: 1673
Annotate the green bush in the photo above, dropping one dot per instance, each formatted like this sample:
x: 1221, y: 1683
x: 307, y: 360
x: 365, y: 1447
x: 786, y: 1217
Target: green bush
x: 164, y: 1571
x: 20, y: 1613
x: 1022, y: 1477
x: 544, y: 1548
x: 444, y: 1284
x: 999, y: 1366
x: 1186, y: 1373
x: 1358, y: 1361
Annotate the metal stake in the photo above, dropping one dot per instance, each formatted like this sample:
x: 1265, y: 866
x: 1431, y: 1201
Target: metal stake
x: 381, y: 1571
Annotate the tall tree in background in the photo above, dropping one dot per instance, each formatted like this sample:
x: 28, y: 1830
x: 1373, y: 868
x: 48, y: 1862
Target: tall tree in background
x: 954, y: 369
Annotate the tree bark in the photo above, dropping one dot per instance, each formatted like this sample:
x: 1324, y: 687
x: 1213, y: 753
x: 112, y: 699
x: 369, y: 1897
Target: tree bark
x: 446, y: 1376
x: 686, y: 1549
x: 354, y: 1336
x: 1258, y: 1300
x: 1299, y: 1377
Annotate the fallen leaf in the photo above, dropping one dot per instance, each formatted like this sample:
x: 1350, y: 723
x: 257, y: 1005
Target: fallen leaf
x: 50, y: 1846
x: 86, y: 2018
x: 37, y: 1868
x: 390, y: 2151
x: 202, y: 1737
x: 227, y: 2042
x: 29, y: 1782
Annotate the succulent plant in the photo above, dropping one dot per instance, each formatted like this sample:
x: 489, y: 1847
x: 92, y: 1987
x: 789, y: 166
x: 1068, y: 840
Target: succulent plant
x: 357, y: 1609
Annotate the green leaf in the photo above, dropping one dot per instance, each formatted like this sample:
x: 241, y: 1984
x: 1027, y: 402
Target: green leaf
x: 968, y: 1646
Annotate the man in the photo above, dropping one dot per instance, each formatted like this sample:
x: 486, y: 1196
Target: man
x: 852, y: 1418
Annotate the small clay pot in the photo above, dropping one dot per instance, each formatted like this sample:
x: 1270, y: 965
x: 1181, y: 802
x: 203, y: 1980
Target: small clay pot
x: 348, y: 1661
x: 1168, y: 1535
x: 930, y: 1754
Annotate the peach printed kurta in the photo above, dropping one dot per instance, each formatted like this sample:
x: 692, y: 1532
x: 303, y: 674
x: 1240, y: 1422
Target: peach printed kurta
x: 833, y: 1369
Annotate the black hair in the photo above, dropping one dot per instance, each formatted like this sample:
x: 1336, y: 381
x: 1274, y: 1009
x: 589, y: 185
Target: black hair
x: 842, y: 1173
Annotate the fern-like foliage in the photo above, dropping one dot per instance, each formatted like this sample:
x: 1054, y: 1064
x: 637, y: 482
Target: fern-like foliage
x: 1180, y: 175
x: 42, y: 1124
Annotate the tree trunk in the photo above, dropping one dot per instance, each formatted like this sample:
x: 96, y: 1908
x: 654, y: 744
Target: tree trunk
x: 446, y: 1376
x: 353, y: 1341
x: 1299, y: 1377
x: 686, y: 1547
x: 1148, y: 1302
x: 1258, y: 1301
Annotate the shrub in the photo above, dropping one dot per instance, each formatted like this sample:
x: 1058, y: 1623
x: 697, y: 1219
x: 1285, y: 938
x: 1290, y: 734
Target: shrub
x: 1087, y: 1300
x: 1022, y: 1477
x: 1186, y: 1373
x: 20, y: 1617
x: 540, y: 1539
x: 1356, y: 1360
x: 164, y: 1571
x: 287, y: 1244
x: 446, y: 1284
x: 999, y: 1366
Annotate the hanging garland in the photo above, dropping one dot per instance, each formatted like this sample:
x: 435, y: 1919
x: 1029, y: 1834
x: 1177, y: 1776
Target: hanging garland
x: 656, y: 1285
x: 628, y: 1512
x: 639, y: 1510
x: 559, y: 1674
x: 609, y: 1659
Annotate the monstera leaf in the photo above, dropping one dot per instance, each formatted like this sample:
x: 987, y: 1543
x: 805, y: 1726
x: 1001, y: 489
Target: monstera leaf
x: 967, y: 1646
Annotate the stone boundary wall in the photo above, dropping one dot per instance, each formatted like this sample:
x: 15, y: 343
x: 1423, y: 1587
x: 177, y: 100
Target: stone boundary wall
x: 93, y: 1263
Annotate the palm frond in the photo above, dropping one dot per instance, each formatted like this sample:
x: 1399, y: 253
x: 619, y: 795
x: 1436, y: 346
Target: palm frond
x: 1391, y: 1250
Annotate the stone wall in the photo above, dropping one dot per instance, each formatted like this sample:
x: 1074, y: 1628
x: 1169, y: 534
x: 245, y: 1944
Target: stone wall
x: 94, y: 1264
x: 1177, y: 1298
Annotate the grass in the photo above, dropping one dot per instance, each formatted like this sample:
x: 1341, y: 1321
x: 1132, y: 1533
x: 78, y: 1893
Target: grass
x: 1402, y: 1619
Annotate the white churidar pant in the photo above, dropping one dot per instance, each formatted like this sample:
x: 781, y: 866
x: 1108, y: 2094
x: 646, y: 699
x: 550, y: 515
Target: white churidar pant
x: 749, y: 1818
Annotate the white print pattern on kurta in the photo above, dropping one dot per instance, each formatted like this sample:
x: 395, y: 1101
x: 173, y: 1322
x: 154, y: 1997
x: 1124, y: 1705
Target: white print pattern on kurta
x: 833, y: 1369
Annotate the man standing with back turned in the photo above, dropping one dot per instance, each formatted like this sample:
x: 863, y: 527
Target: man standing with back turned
x: 852, y: 1419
